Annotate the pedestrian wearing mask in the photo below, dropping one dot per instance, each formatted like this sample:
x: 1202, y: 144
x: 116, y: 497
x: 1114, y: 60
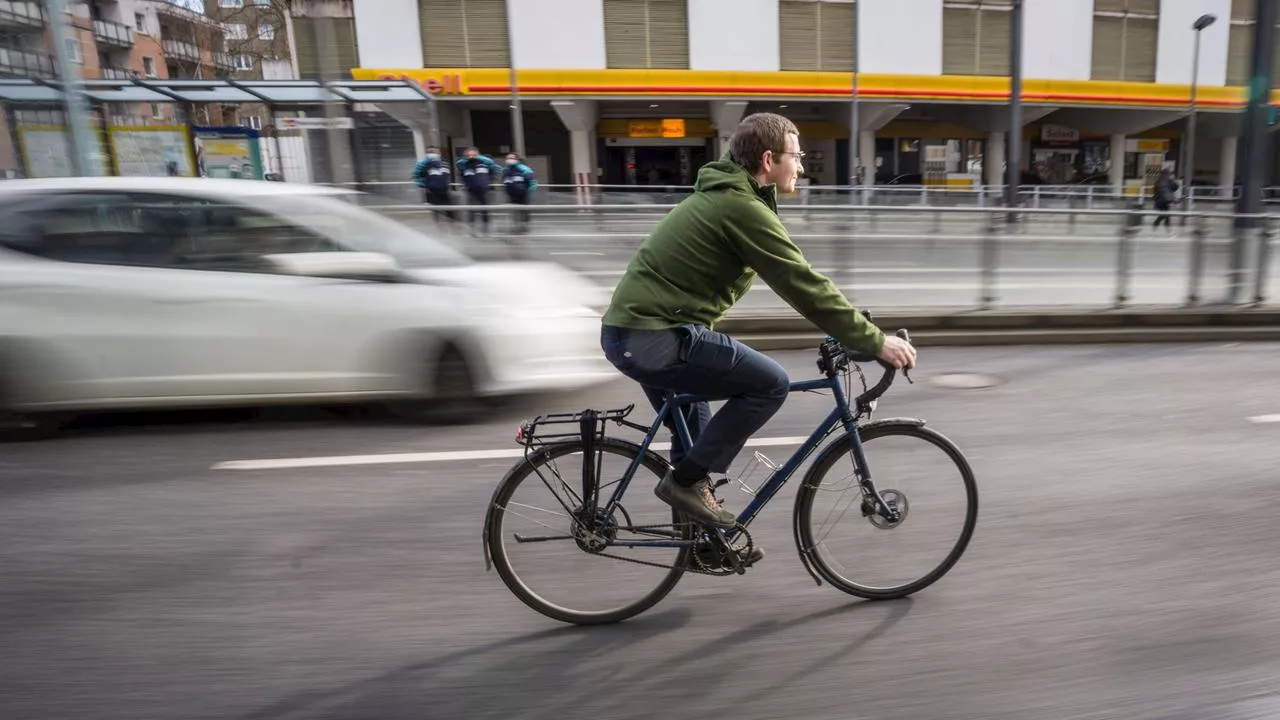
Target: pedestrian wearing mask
x: 477, y: 173
x: 433, y: 176
x: 520, y: 183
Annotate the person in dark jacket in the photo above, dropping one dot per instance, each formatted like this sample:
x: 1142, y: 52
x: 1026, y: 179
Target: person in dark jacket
x: 1166, y: 194
x: 520, y: 183
x: 433, y: 176
x: 477, y: 173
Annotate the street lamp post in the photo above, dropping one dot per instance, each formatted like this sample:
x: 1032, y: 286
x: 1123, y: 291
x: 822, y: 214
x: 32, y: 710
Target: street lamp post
x: 517, y: 112
x: 1013, y: 156
x: 85, y: 156
x: 1189, y: 166
x: 855, y: 142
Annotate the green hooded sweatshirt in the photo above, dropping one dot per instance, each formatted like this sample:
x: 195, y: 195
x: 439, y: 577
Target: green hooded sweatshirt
x: 704, y: 255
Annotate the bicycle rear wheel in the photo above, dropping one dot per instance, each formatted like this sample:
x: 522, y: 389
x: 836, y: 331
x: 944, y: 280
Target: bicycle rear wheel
x: 585, y: 587
x: 919, y: 470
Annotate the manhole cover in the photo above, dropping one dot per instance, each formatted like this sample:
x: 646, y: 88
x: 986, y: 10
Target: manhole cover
x: 963, y: 381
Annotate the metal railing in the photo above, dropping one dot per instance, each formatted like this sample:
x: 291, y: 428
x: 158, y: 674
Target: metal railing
x: 181, y: 50
x: 983, y: 260
x: 27, y: 63
x: 118, y: 73
x: 1031, y: 196
x: 113, y: 33
x: 224, y: 61
x: 22, y: 14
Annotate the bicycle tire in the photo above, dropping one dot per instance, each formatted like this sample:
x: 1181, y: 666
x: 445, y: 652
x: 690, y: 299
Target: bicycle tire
x: 839, y: 448
x: 497, y: 549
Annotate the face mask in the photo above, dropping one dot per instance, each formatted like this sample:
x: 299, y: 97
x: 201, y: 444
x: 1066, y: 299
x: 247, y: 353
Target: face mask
x: 433, y: 156
x: 511, y: 162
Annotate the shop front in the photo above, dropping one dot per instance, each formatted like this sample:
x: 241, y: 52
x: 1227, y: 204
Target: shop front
x: 653, y: 152
x: 657, y: 127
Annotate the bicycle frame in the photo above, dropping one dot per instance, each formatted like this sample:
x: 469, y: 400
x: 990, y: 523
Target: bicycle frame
x: 841, y: 414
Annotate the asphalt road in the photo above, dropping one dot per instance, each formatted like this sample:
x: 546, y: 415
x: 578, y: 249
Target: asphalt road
x: 1123, y: 566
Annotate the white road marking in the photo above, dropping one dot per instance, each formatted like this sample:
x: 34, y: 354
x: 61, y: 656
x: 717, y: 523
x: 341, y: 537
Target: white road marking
x: 429, y: 457
x: 1263, y: 419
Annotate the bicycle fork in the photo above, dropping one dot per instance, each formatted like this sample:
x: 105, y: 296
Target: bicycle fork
x: 863, y: 472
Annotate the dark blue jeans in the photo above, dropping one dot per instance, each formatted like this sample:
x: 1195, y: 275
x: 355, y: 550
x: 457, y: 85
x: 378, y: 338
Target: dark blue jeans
x: 695, y: 359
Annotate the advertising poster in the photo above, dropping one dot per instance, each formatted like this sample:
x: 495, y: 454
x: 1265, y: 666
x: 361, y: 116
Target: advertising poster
x: 46, y: 151
x: 228, y: 152
x: 151, y: 151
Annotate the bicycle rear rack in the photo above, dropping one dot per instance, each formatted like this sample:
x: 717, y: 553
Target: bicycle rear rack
x: 590, y: 426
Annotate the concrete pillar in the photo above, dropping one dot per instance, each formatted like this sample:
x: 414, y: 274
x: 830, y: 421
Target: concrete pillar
x: 725, y: 116
x: 867, y: 155
x: 993, y: 159
x: 1115, y: 176
x: 579, y: 116
x: 1227, y: 166
x: 419, y: 143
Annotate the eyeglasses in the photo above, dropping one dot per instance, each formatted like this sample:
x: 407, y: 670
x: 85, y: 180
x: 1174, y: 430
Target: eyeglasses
x: 800, y: 154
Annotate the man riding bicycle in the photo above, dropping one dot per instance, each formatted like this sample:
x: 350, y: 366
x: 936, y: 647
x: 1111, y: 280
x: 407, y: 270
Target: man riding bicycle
x: 701, y: 259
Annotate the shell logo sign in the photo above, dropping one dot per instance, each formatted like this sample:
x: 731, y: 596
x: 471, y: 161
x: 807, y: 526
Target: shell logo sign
x: 445, y: 84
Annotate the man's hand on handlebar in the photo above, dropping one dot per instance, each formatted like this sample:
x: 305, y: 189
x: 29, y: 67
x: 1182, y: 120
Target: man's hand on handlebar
x: 898, y: 352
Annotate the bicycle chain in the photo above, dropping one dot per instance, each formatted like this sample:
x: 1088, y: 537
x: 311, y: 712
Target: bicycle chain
x: 691, y: 567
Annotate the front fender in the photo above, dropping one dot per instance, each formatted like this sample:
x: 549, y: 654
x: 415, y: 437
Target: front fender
x: 836, y: 445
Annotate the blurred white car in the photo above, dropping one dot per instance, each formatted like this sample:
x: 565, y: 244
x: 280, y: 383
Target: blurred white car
x: 131, y: 293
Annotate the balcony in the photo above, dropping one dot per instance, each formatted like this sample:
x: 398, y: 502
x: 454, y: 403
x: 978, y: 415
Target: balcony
x: 26, y: 63
x: 21, y: 15
x: 119, y: 73
x: 224, y: 61
x: 111, y: 33
x: 172, y: 9
x: 178, y: 50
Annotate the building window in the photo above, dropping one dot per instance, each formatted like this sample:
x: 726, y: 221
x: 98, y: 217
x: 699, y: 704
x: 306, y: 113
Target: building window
x: 266, y: 32
x: 976, y: 37
x: 251, y: 121
x: 261, y: 2
x: 464, y: 33
x: 157, y: 111
x: 817, y: 34
x: 1124, y: 39
x: 244, y: 62
x: 140, y: 22
x: 236, y: 31
x: 338, y: 41
x: 73, y: 49
x: 149, y: 67
x: 230, y: 3
x: 1240, y: 45
x: 646, y: 33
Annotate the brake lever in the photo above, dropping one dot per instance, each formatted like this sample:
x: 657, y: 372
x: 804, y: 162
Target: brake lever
x: 906, y: 371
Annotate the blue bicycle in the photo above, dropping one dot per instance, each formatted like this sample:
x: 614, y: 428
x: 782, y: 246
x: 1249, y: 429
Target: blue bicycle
x: 594, y: 525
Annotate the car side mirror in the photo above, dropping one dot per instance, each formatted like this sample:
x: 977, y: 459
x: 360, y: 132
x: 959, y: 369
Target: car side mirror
x: 339, y: 265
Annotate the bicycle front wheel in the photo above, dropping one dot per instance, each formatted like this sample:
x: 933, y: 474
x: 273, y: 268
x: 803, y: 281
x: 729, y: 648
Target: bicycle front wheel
x: 856, y: 549
x: 554, y: 563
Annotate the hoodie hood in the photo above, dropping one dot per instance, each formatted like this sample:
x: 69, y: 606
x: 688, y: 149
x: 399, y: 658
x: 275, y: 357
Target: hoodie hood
x: 725, y: 175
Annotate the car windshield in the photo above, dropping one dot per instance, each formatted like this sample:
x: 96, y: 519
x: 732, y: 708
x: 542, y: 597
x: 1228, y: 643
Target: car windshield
x: 363, y: 230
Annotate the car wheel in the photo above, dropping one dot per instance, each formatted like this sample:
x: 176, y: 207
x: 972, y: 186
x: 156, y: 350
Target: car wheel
x: 18, y: 427
x: 452, y: 395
